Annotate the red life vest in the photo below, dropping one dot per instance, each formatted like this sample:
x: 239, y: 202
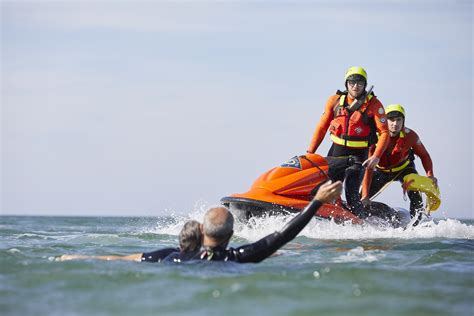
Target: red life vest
x: 352, y: 129
x: 398, y: 155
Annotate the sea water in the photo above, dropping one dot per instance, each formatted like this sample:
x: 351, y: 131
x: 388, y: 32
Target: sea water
x: 328, y: 269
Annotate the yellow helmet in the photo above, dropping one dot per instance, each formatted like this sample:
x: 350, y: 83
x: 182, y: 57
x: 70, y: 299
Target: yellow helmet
x: 356, y: 71
x: 395, y: 109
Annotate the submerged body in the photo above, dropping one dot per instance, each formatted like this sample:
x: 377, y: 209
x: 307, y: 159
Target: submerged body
x: 253, y: 252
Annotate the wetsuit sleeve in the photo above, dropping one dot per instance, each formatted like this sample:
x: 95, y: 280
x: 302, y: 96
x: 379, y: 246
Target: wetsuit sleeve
x: 367, y: 181
x: 158, y: 255
x: 377, y: 109
x: 323, y: 124
x: 266, y: 246
x: 420, y: 150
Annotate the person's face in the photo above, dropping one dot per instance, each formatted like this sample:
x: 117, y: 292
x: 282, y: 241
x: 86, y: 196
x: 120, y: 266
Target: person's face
x: 355, y: 88
x: 395, y: 124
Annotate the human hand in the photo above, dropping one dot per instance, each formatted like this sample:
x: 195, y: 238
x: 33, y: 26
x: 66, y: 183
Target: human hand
x: 371, y: 162
x: 328, y: 192
x: 435, y: 181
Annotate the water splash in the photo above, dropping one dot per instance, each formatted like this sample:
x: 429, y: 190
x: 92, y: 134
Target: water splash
x: 172, y: 224
x: 257, y: 228
x: 322, y: 229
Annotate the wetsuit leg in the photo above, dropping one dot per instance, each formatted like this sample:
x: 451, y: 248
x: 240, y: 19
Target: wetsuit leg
x: 352, y: 176
x: 379, y: 179
x: 353, y: 179
x: 416, y: 202
x: 336, y: 170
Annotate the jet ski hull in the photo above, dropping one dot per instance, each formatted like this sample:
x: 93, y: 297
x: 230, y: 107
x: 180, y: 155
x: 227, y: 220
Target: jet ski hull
x: 289, y: 187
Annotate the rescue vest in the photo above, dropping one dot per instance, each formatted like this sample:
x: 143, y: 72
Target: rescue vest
x: 352, y: 128
x: 396, y: 154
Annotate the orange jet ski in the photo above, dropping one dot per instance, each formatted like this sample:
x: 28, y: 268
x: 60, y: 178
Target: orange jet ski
x: 289, y: 187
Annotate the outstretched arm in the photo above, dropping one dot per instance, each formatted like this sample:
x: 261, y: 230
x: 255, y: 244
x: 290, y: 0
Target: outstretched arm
x: 154, y: 256
x: 266, y: 246
x: 133, y: 257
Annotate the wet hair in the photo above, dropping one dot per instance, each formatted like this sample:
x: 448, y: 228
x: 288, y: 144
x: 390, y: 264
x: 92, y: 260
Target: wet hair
x: 216, y: 227
x: 190, y: 237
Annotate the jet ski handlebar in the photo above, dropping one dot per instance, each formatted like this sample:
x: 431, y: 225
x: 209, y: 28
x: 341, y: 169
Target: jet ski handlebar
x: 343, y: 162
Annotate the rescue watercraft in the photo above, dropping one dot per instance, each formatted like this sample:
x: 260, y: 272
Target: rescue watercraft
x: 288, y: 188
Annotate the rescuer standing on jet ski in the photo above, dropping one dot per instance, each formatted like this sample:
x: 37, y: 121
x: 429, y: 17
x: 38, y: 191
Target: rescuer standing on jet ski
x: 397, y: 160
x: 353, y: 118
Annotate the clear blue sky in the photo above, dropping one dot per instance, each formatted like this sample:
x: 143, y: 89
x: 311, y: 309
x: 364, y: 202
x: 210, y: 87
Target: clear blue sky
x: 149, y: 108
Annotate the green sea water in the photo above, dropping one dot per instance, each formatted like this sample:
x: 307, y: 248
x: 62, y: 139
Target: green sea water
x: 328, y: 269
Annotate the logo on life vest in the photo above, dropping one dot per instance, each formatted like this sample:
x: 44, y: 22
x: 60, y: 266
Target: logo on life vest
x: 293, y: 162
x: 381, y: 111
x: 382, y: 120
x: 358, y: 130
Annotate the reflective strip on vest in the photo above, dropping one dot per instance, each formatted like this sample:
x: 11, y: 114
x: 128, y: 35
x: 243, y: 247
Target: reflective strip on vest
x: 401, y: 167
x: 350, y: 143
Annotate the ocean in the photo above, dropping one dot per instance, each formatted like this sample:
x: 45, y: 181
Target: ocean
x: 328, y: 269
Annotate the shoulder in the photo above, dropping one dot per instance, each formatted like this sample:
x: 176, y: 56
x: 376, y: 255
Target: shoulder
x: 374, y: 101
x: 180, y: 256
x: 158, y: 255
x: 333, y: 98
x: 409, y: 132
x: 411, y: 135
x: 376, y: 107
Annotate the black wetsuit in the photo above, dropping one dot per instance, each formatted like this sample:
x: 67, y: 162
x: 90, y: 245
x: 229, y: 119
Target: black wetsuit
x: 257, y: 251
x: 352, y: 176
x: 158, y: 255
x: 380, y: 178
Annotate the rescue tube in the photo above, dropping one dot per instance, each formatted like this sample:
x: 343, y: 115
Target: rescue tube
x: 424, y: 184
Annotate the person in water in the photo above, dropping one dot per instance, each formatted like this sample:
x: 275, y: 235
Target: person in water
x: 397, y: 160
x: 190, y: 241
x: 353, y: 118
x: 218, y: 228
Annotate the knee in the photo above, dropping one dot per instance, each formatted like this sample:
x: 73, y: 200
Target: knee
x: 354, y: 170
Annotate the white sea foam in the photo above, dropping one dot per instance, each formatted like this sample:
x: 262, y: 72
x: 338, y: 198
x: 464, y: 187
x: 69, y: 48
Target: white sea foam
x: 257, y: 228
x: 359, y: 254
x: 322, y: 229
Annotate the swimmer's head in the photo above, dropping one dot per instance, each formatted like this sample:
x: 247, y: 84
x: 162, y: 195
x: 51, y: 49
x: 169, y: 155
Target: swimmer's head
x: 190, y: 237
x: 218, y: 225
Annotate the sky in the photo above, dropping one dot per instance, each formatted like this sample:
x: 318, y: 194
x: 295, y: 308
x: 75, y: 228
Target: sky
x: 151, y: 108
